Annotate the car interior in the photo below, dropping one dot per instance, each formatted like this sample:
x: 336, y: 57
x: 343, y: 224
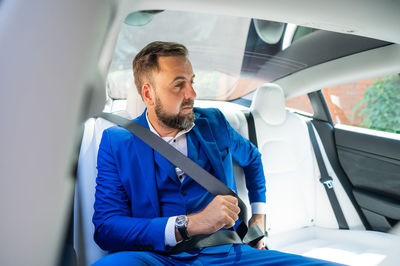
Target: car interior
x: 252, y: 60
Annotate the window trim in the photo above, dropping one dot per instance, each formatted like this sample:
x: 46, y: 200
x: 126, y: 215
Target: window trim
x: 318, y: 103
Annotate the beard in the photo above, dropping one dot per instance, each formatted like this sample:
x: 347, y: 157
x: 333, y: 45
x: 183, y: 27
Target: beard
x: 178, y: 121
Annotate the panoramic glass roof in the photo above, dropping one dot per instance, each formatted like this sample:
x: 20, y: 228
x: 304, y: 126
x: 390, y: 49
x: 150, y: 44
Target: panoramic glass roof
x: 231, y: 56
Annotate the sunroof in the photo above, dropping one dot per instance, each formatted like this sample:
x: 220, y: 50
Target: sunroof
x: 231, y: 56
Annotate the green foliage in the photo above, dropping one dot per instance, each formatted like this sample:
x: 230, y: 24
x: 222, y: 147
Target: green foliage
x: 380, y: 105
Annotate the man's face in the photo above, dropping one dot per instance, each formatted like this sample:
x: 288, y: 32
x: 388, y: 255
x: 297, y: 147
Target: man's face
x: 173, y: 92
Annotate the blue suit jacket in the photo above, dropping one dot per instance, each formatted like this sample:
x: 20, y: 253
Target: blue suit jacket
x: 127, y: 211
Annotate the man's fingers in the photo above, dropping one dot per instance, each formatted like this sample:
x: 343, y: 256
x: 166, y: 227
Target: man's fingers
x: 232, y: 207
x: 229, y: 222
x: 231, y: 213
x: 231, y: 199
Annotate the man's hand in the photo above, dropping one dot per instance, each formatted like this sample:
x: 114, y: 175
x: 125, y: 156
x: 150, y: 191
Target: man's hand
x: 221, y: 212
x: 258, y: 219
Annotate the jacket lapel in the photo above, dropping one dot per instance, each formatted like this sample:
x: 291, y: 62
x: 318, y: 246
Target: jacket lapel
x: 166, y: 166
x: 208, y: 144
x: 145, y: 157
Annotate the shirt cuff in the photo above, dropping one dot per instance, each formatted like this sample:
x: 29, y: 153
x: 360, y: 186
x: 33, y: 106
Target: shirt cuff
x: 258, y: 208
x: 170, y: 232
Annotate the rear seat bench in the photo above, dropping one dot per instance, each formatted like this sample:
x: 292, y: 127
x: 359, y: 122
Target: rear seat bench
x: 299, y: 220
x: 299, y: 217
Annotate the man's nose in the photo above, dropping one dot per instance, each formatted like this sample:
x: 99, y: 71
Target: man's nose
x: 190, y: 92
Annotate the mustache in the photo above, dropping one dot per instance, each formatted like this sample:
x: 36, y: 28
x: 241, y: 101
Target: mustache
x: 187, y: 103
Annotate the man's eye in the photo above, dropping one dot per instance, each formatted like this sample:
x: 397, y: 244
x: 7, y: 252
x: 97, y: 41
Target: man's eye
x: 180, y: 85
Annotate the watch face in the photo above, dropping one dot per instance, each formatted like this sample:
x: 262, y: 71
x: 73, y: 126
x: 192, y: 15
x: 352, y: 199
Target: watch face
x: 181, y: 221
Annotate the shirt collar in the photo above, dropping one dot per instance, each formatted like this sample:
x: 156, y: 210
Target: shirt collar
x: 180, y: 133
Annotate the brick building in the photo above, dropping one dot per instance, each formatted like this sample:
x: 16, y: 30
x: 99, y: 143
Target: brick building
x: 341, y: 101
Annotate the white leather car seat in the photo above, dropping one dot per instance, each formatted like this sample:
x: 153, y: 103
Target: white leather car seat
x: 300, y: 219
x: 87, y: 250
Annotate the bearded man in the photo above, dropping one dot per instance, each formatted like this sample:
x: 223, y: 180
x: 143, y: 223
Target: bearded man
x: 144, y: 205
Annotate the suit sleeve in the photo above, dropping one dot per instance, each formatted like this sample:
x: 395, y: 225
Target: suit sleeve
x: 115, y: 228
x: 249, y: 158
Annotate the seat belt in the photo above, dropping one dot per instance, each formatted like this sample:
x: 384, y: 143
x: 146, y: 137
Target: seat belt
x: 205, y: 179
x: 327, y: 180
x: 251, y: 127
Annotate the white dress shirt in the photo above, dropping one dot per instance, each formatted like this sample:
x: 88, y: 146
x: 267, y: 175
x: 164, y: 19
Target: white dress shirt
x: 179, y: 142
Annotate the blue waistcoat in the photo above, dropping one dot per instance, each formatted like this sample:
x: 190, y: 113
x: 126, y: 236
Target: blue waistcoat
x: 190, y: 196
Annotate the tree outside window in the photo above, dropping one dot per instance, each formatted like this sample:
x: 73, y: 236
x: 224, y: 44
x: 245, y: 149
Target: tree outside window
x: 379, y: 107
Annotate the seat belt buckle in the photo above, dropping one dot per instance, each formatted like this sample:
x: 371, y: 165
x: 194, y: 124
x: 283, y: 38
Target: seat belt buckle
x: 327, y: 182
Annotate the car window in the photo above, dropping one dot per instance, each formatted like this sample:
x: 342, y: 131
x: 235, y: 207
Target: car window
x: 228, y: 54
x: 231, y: 56
x: 300, y: 104
x: 301, y: 31
x: 371, y: 103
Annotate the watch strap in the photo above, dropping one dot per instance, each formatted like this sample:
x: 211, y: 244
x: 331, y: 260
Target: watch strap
x: 182, y: 228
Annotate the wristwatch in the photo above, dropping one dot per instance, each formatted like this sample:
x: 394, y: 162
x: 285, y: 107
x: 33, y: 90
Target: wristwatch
x: 181, y: 223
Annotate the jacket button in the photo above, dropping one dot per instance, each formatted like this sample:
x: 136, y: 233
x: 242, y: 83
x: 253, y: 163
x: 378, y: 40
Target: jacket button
x: 183, y: 193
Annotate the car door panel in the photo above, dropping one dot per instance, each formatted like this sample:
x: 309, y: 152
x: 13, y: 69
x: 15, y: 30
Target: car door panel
x: 372, y: 165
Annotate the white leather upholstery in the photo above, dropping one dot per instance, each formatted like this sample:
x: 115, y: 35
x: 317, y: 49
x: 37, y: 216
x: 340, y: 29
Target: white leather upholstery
x: 300, y: 219
x: 352, y: 247
x: 269, y: 104
x: 295, y: 197
x: 85, y: 189
x: 134, y: 103
x: 84, y: 192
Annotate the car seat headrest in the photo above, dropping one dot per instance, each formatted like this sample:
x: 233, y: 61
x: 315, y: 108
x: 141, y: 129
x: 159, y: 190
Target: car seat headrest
x: 134, y: 103
x: 269, y: 104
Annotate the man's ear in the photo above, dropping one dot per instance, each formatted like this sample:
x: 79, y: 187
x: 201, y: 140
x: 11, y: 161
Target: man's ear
x: 148, y: 94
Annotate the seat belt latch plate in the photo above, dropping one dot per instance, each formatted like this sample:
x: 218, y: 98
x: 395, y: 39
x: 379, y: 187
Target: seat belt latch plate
x: 327, y: 182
